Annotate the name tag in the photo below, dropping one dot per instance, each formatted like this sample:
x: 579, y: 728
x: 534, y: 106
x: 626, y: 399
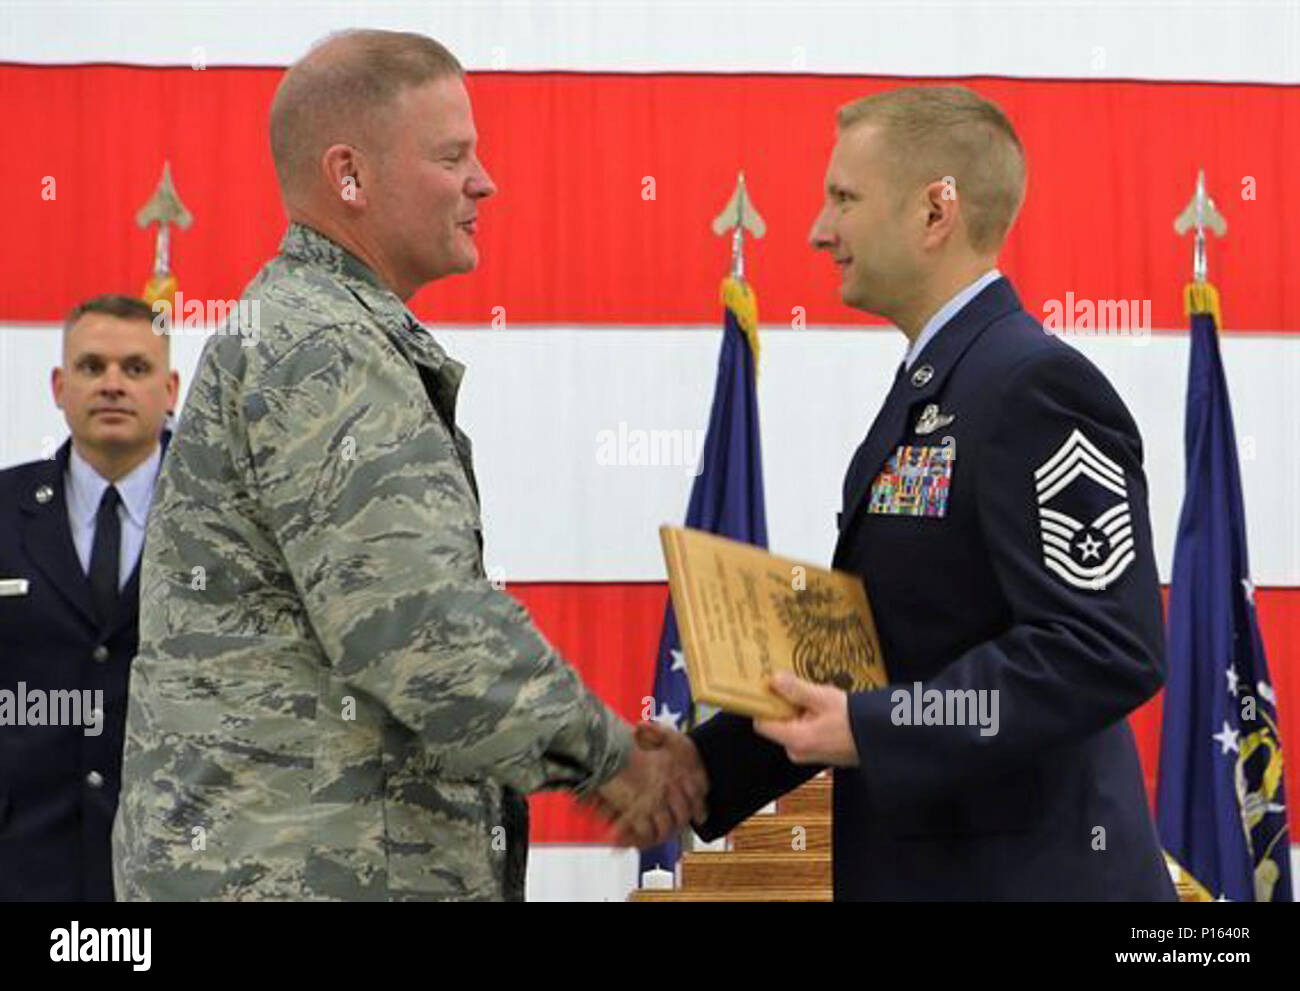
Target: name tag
x: 914, y: 482
x: 12, y: 586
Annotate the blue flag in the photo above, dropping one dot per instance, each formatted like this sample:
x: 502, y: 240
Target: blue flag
x: 1221, y: 803
x: 726, y: 498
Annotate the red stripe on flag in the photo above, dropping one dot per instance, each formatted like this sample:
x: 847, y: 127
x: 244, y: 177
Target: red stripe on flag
x: 610, y: 633
x: 571, y: 239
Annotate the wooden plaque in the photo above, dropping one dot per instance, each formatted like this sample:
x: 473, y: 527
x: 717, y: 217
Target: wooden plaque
x: 744, y: 614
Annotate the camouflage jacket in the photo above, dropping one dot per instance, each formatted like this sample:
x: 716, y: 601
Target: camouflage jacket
x: 330, y: 699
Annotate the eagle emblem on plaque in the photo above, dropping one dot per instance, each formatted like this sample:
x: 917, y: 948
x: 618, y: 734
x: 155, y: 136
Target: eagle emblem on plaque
x: 832, y: 645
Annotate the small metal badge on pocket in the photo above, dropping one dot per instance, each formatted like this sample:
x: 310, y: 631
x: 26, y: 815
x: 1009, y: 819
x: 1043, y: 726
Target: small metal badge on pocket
x: 12, y: 587
x: 914, y: 482
x: 931, y: 419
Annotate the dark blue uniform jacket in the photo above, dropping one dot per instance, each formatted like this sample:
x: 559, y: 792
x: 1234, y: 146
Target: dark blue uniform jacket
x: 58, y: 786
x: 1038, y: 583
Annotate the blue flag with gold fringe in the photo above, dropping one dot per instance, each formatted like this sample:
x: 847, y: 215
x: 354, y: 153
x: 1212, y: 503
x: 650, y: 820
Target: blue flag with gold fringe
x: 726, y: 498
x: 1221, y: 802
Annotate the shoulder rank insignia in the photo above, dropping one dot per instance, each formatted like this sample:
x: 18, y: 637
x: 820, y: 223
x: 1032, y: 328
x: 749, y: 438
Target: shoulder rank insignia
x: 1086, y: 532
x: 931, y: 420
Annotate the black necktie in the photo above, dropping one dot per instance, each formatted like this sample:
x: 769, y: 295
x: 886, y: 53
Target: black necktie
x: 104, y: 556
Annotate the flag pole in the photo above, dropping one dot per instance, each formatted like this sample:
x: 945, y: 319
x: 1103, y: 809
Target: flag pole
x: 164, y: 209
x: 739, y: 216
x: 1200, y: 214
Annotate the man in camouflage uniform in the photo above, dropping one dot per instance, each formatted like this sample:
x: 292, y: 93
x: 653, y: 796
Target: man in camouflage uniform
x: 330, y: 699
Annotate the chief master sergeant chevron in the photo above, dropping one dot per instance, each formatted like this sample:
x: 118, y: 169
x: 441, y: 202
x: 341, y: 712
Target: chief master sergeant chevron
x: 330, y: 699
x: 997, y: 511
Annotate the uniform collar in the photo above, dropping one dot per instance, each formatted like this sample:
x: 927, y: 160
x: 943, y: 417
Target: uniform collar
x: 947, y: 312
x: 938, y: 358
x: 308, y: 246
x: 86, y: 487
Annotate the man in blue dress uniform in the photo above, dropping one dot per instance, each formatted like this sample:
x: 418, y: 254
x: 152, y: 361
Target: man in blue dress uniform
x: 69, y: 576
x: 997, y: 512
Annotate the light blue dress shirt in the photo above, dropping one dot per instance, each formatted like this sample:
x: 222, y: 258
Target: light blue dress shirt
x: 946, y: 313
x: 85, y: 487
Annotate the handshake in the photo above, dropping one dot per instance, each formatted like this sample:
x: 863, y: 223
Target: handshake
x: 664, y: 784
x: 660, y: 790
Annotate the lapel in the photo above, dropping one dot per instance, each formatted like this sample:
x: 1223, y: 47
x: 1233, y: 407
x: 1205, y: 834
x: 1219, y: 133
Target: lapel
x: 47, y: 539
x: 872, y: 450
x: 47, y: 536
x: 912, y: 390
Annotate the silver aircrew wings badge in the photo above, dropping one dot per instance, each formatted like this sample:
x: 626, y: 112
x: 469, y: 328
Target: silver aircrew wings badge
x: 931, y: 420
x: 1086, y: 548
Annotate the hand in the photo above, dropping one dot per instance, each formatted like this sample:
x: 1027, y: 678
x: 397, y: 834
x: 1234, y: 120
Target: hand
x: 691, y: 777
x: 659, y: 791
x: 819, y: 733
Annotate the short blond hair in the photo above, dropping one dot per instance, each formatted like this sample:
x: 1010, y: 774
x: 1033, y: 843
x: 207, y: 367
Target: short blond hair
x: 935, y: 132
x: 342, y: 83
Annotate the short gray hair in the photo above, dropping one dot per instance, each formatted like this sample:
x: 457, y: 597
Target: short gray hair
x: 366, y: 73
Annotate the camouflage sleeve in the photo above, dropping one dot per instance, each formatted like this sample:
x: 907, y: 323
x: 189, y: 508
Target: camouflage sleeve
x: 378, y: 525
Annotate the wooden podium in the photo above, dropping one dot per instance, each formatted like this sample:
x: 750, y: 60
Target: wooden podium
x: 781, y: 857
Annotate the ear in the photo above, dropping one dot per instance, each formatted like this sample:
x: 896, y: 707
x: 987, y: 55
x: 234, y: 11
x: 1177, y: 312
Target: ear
x: 173, y: 390
x: 56, y: 385
x: 345, y: 170
x: 943, y: 210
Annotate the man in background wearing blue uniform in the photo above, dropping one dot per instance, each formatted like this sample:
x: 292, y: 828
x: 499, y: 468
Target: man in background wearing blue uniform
x: 69, y: 574
x: 997, y: 512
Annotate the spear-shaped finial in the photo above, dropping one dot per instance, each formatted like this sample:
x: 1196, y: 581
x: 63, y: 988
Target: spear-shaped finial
x: 164, y: 209
x: 1199, y: 214
x: 739, y: 216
